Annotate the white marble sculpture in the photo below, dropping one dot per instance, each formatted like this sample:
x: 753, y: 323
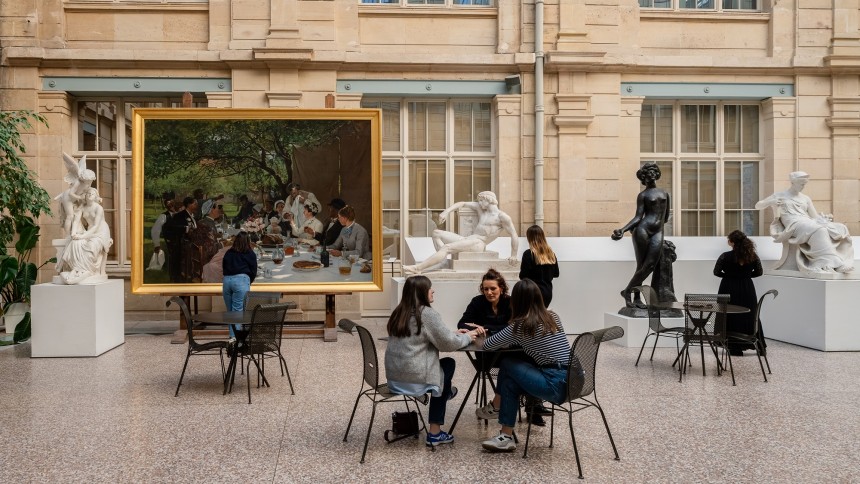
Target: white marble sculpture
x: 79, y: 179
x: 812, y: 242
x: 84, y: 257
x: 491, y: 222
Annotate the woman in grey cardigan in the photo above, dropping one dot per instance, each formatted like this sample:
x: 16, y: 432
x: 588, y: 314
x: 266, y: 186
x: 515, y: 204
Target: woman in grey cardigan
x: 412, y: 365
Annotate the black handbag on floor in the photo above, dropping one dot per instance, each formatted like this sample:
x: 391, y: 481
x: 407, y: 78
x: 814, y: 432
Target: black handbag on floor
x: 404, y: 423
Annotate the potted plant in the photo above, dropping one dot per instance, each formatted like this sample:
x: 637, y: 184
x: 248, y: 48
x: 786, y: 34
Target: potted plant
x: 22, y: 200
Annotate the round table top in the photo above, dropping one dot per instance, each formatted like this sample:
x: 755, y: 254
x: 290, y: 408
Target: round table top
x: 478, y: 346
x: 704, y: 306
x: 223, y: 317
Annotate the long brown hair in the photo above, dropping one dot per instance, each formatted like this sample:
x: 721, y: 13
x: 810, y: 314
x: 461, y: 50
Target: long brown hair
x: 528, y: 310
x: 541, y: 250
x: 743, y: 247
x: 242, y: 243
x: 416, y: 295
x: 494, y: 275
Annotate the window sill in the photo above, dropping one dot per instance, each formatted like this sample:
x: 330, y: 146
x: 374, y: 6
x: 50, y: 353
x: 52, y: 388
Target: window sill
x: 118, y: 272
x: 94, y: 6
x: 711, y: 16
x: 372, y: 10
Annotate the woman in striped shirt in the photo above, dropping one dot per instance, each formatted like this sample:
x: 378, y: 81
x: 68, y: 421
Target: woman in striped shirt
x: 540, y: 334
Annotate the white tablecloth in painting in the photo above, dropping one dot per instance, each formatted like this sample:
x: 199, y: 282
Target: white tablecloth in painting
x: 284, y: 272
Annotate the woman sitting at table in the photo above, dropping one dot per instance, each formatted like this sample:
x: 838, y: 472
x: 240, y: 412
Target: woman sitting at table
x: 412, y: 365
x: 737, y: 268
x: 353, y: 238
x: 542, y: 337
x: 311, y: 226
x: 240, y: 269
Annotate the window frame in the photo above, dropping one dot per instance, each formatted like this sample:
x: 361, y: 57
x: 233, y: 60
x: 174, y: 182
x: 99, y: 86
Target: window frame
x: 717, y: 8
x: 449, y: 4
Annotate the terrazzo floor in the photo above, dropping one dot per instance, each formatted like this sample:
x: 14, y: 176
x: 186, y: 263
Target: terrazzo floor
x: 115, y: 419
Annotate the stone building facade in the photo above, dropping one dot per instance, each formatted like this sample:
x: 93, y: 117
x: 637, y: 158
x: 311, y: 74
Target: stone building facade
x: 727, y: 96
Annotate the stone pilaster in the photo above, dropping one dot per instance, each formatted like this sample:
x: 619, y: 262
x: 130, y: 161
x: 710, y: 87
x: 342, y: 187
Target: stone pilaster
x: 779, y: 130
x: 845, y: 124
x: 509, y: 175
x: 573, y: 119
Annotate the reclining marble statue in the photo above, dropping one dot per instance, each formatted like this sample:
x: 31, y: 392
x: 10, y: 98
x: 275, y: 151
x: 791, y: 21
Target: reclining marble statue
x: 83, y: 258
x: 812, y: 242
x: 491, y: 222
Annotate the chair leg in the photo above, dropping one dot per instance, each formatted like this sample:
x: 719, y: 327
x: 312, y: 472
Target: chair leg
x: 575, y: 449
x: 182, y: 375
x: 528, y: 434
x: 369, y: 428
x: 731, y: 368
x: 354, y: 407
x: 758, y: 354
x: 642, y: 348
x: 768, y: 364
x: 656, y: 337
x: 551, y: 425
x: 606, y: 424
x: 289, y: 380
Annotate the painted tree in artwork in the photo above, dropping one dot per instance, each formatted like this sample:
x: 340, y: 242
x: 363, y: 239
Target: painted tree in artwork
x: 261, y: 151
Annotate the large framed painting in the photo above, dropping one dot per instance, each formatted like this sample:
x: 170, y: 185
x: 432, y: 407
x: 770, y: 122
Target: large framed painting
x: 268, y: 181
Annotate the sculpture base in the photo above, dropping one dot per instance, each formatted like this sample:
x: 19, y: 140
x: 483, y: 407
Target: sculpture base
x: 80, y: 320
x: 635, y: 330
x: 824, y: 276
x: 814, y: 313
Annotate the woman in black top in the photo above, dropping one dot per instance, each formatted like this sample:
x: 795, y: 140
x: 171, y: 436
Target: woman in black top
x: 491, y: 309
x: 737, y: 268
x: 240, y: 269
x: 539, y: 263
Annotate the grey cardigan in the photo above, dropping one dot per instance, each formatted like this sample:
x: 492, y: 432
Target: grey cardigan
x: 415, y: 359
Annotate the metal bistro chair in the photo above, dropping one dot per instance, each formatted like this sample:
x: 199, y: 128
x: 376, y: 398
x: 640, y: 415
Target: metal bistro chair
x: 254, y: 299
x: 580, y: 384
x: 376, y: 391
x: 754, y: 338
x: 195, y: 348
x: 655, y: 325
x: 705, y: 321
x: 264, y: 341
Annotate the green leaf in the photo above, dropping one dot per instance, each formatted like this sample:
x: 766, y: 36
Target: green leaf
x: 22, y: 331
x: 28, y: 235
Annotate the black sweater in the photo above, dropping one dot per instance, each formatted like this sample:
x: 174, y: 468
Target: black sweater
x: 480, y: 311
x: 240, y: 263
x: 541, y: 274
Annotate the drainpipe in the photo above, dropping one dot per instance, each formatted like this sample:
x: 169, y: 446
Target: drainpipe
x: 539, y: 113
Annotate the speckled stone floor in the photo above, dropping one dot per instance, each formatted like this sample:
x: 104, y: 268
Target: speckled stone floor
x: 115, y: 419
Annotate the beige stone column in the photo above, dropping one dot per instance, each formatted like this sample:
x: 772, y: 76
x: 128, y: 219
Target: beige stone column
x: 628, y: 162
x: 284, y: 28
x: 845, y: 124
x: 510, y: 33
x: 510, y: 166
x: 219, y: 24
x: 572, y: 34
x: 846, y: 38
x: 348, y: 101
x: 219, y: 99
x: 573, y: 119
x: 779, y: 130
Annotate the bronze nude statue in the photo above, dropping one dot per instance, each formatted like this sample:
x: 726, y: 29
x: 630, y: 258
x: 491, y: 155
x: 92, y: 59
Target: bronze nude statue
x: 646, y: 228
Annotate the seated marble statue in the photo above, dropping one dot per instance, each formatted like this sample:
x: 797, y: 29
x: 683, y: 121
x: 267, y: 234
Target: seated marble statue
x: 79, y: 179
x: 491, y: 222
x: 85, y: 256
x: 822, y: 245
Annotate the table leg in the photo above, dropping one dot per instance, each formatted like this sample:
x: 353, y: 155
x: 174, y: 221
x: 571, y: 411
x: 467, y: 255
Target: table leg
x: 330, y: 328
x: 465, y: 400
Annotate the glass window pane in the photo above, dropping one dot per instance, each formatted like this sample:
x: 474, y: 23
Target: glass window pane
x: 749, y: 131
x: 707, y: 129
x: 732, y: 185
x: 707, y: 184
x: 463, y: 126
x: 732, y: 129
x: 482, y: 115
x: 663, y: 128
x: 421, y: 223
x: 390, y: 184
x: 97, y: 126
x: 436, y: 126
x: 689, y: 129
x: 418, y: 184
x: 462, y: 180
x: 689, y: 185
x: 751, y: 222
x: 391, y: 233
x: 418, y: 126
x: 436, y: 184
x: 646, y: 129
x: 732, y: 222
x: 690, y: 225
x: 749, y: 180
x: 697, y: 4
x: 481, y: 181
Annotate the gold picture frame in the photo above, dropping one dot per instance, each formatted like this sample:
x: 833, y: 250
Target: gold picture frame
x: 178, y: 153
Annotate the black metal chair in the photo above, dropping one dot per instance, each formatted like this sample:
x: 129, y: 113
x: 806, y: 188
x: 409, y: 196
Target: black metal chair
x: 705, y: 324
x: 580, y: 384
x: 254, y: 299
x: 371, y: 388
x: 754, y: 338
x: 655, y: 324
x: 195, y: 348
x: 264, y: 341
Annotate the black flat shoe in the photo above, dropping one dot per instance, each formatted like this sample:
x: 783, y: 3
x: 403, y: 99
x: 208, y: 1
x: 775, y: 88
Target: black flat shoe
x: 541, y: 410
x: 736, y: 352
x: 536, y: 419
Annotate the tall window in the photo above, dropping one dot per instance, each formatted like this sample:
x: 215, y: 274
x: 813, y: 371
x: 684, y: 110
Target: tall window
x: 712, y: 5
x: 434, y: 153
x: 103, y: 133
x: 709, y: 156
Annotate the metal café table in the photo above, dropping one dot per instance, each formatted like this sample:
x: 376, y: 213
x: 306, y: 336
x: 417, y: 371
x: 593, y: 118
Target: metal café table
x: 699, y: 325
x: 484, y: 365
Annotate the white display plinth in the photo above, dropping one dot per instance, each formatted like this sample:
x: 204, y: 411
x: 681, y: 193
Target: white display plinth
x: 815, y: 313
x: 635, y: 330
x: 80, y: 320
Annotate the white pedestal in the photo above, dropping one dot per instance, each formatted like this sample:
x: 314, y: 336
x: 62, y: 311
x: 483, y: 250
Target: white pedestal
x: 815, y: 313
x: 635, y: 330
x: 82, y: 320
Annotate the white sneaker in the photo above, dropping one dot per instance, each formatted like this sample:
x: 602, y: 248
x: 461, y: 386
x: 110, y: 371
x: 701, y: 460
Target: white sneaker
x: 487, y: 412
x: 500, y: 443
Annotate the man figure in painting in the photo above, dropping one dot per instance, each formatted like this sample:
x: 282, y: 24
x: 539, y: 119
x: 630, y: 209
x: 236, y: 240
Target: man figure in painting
x: 822, y: 244
x: 79, y: 179
x: 296, y: 203
x: 180, y: 224
x: 491, y: 222
x: 331, y: 229
x: 646, y: 227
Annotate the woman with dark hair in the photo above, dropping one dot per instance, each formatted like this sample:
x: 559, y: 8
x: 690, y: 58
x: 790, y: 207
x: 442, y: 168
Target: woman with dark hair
x: 491, y: 309
x: 737, y: 268
x: 416, y: 336
x: 240, y: 268
x: 539, y: 263
x: 542, y: 338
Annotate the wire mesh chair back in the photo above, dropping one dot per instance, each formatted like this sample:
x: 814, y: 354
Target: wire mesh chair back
x: 186, y: 313
x: 268, y: 324
x: 757, y: 322
x: 368, y: 352
x: 652, y: 306
x: 705, y: 316
x: 254, y: 299
x: 583, y: 358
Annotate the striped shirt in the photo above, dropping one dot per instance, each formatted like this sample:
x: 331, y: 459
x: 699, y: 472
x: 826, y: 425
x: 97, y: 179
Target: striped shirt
x: 545, y: 349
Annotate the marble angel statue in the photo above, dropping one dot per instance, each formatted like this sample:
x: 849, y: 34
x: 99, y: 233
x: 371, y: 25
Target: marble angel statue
x: 84, y: 258
x: 822, y: 245
x: 79, y: 179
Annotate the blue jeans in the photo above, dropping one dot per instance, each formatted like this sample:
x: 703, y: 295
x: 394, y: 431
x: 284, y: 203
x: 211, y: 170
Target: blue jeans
x: 436, y: 413
x: 234, y: 288
x: 517, y: 377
